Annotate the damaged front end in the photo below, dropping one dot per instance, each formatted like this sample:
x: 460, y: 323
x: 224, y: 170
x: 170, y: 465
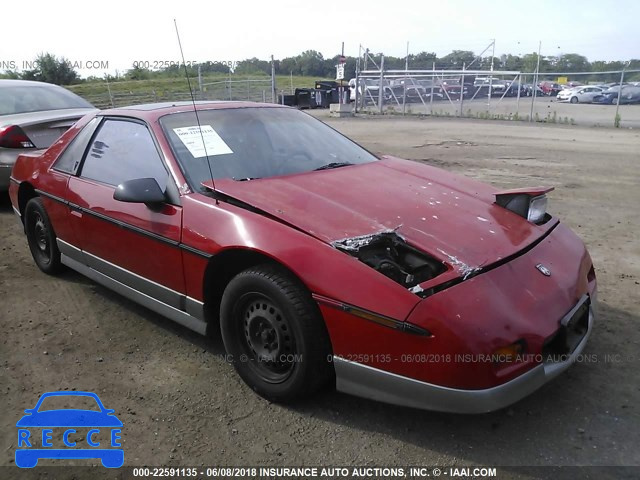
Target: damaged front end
x: 388, y: 253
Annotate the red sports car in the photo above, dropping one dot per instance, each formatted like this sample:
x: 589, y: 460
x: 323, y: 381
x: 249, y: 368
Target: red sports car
x: 317, y: 262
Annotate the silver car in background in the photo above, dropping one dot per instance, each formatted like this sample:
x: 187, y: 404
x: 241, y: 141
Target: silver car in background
x: 581, y: 94
x: 33, y: 115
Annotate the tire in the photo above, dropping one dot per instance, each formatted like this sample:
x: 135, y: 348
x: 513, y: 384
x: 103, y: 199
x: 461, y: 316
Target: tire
x: 275, y: 335
x: 574, y: 100
x: 41, y: 237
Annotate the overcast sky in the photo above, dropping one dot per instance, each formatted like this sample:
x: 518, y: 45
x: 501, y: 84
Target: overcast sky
x: 121, y: 32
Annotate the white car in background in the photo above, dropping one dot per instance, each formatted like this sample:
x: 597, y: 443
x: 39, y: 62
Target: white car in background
x: 581, y: 94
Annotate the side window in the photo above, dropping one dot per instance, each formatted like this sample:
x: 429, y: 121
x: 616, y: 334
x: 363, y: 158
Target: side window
x: 70, y: 159
x: 121, y: 151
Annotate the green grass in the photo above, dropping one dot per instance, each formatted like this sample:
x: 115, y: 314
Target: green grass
x: 163, y: 86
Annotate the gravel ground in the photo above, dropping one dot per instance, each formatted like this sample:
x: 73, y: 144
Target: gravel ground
x: 181, y: 404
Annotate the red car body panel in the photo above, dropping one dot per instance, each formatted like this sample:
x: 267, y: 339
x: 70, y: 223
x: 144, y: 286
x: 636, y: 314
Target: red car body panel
x: 155, y: 260
x: 475, y: 318
x: 428, y: 207
x: 235, y: 227
x: 293, y: 221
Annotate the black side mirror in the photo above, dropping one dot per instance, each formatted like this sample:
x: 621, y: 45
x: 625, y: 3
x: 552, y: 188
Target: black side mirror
x: 139, y: 190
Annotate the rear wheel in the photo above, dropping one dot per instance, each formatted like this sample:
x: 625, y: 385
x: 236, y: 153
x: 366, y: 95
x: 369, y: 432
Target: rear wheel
x: 273, y: 331
x: 41, y: 237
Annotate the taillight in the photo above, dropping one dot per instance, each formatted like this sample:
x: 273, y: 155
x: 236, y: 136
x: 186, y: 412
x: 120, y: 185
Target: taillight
x: 14, y: 137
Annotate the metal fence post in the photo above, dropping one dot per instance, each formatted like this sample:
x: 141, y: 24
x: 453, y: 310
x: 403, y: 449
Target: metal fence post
x: 615, y: 119
x: 462, y: 90
x: 273, y: 81
x: 518, y: 97
x: 381, y: 87
x: 356, y: 98
x: 404, y: 94
x: 109, y: 91
x: 535, y: 81
x: 493, y: 56
x: 433, y: 79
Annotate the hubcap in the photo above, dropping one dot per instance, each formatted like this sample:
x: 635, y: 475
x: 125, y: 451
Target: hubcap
x: 268, y: 338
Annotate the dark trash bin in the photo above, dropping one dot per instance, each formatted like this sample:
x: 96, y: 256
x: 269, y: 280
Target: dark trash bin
x: 305, y: 98
x: 289, y: 100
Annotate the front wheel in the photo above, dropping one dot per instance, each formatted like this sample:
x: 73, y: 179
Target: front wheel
x: 41, y: 237
x: 574, y: 100
x: 274, y: 334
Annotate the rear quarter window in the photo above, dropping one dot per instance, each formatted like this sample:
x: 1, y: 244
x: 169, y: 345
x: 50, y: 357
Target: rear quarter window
x: 70, y: 159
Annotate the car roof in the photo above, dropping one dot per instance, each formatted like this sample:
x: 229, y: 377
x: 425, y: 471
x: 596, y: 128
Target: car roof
x: 25, y: 83
x: 153, y: 111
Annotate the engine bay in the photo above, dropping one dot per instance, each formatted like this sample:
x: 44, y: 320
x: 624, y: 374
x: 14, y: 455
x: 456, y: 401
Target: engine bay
x: 389, y: 253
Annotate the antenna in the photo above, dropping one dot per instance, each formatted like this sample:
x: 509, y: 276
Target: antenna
x: 195, y: 110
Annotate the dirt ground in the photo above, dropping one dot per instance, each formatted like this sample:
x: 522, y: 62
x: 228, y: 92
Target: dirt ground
x: 181, y: 404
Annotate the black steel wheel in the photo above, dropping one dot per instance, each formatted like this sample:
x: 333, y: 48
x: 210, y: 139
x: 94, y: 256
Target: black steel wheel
x: 274, y: 334
x: 267, y: 337
x: 41, y: 237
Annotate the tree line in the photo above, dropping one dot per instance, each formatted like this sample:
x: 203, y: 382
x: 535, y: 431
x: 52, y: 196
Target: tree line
x: 51, y: 69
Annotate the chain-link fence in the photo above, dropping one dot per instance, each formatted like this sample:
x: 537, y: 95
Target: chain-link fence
x: 584, y: 98
x: 247, y: 89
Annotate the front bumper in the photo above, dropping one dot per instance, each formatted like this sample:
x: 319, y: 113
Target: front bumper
x: 368, y: 382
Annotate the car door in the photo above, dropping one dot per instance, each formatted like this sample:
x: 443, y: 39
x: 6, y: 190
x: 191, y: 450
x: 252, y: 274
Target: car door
x: 133, y: 243
x: 593, y: 93
x: 587, y: 94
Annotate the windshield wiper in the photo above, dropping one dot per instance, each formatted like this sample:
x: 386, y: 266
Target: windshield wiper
x: 331, y: 165
x: 246, y: 179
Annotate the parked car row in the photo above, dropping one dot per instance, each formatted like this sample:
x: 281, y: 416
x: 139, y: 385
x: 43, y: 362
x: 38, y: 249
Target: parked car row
x: 600, y: 94
x: 420, y: 89
x: 628, y: 95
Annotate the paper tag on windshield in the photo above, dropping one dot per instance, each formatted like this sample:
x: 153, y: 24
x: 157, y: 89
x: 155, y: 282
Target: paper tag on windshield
x: 193, y: 140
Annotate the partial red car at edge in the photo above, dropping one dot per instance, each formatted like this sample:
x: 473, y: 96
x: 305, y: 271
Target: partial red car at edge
x: 318, y: 262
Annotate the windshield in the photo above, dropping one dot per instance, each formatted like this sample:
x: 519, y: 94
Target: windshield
x: 250, y: 143
x: 25, y: 99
